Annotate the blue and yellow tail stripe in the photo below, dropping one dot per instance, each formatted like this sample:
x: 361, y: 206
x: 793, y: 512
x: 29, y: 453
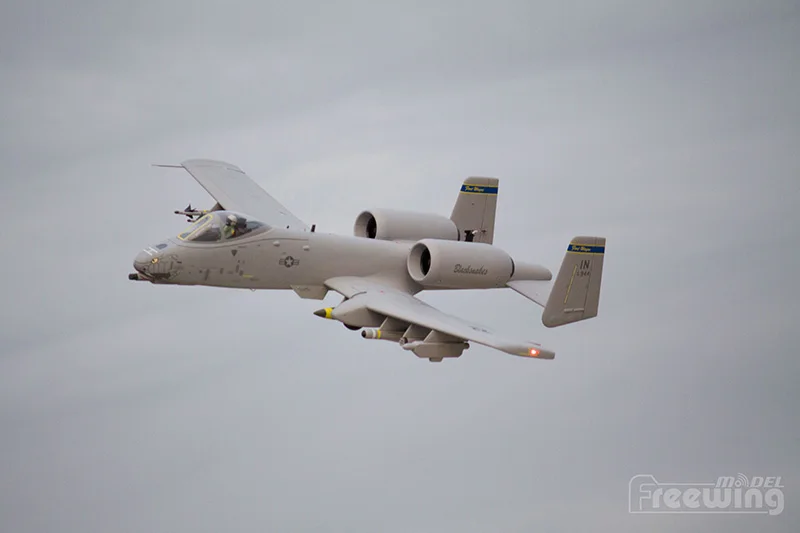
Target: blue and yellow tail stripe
x: 586, y: 249
x: 468, y: 188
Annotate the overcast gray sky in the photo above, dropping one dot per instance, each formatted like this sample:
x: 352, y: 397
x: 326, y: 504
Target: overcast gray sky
x: 672, y: 128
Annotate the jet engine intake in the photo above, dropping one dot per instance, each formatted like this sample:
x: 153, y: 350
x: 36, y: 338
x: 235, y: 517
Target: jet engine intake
x: 437, y: 264
x: 393, y: 225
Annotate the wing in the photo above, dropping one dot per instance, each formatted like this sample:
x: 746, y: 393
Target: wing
x: 419, y: 327
x: 235, y: 191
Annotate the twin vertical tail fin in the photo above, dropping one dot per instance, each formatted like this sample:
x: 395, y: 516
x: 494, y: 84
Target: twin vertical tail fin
x: 575, y: 294
x: 475, y: 209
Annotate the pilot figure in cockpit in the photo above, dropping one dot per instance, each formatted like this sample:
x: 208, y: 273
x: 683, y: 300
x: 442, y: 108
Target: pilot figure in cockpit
x: 230, y: 229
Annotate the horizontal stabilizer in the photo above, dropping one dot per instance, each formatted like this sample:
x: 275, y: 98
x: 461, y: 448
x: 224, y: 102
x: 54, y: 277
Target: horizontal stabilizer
x: 534, y: 290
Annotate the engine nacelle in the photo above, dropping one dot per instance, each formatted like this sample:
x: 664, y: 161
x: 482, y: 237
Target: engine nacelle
x: 459, y: 265
x: 392, y: 225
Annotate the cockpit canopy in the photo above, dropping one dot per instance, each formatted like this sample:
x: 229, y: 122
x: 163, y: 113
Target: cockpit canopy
x: 222, y: 226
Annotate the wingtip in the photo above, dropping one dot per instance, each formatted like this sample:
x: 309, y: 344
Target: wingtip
x: 537, y: 352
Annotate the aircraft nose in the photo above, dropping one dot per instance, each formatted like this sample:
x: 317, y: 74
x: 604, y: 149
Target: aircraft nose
x: 157, y: 263
x: 146, y: 260
x: 141, y: 261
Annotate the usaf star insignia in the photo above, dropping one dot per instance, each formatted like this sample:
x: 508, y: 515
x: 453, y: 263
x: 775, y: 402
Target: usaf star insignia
x: 288, y: 261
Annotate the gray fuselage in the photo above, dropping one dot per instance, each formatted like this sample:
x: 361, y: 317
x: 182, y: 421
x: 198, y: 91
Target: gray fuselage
x: 275, y: 259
